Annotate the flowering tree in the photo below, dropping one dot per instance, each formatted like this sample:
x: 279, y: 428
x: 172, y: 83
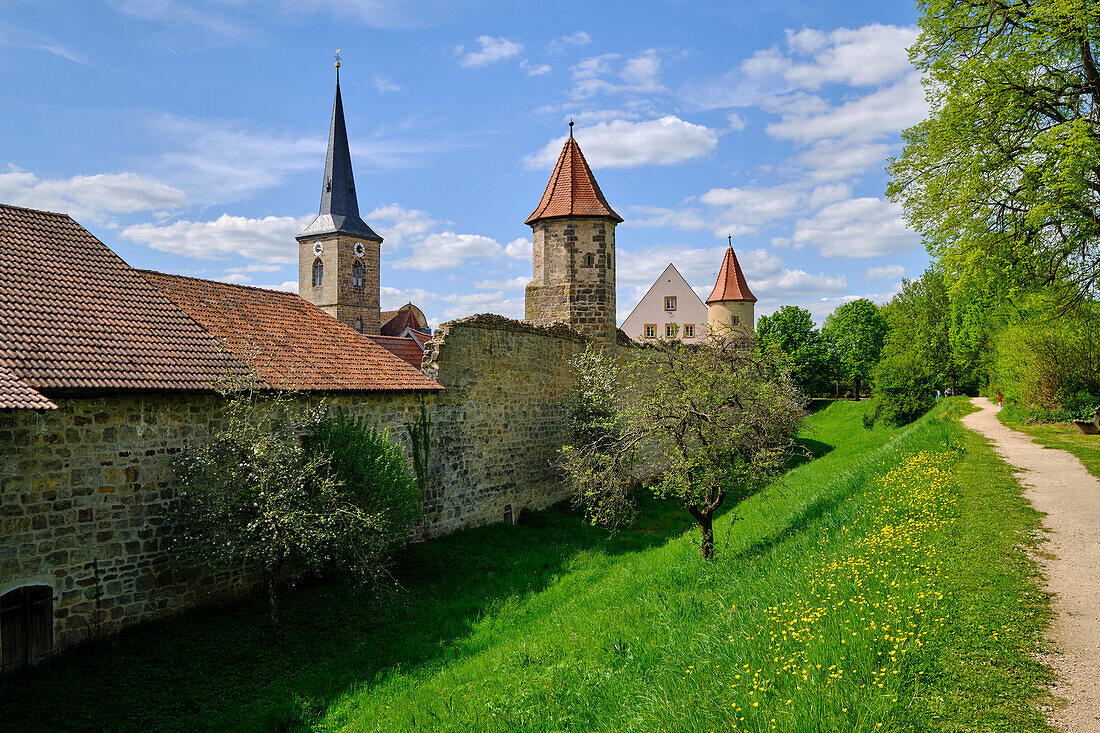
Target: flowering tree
x: 713, y: 423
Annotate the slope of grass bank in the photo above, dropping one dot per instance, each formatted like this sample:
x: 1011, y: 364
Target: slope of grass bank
x: 881, y: 586
x: 1059, y: 435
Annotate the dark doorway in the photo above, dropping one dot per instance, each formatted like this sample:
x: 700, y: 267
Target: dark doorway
x: 26, y: 626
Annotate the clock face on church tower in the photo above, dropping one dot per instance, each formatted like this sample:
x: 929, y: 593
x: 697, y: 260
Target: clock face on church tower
x: 359, y: 249
x: 318, y: 248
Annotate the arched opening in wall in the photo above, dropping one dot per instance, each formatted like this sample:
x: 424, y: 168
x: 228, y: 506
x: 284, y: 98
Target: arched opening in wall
x: 318, y: 273
x: 357, y: 274
x: 26, y: 626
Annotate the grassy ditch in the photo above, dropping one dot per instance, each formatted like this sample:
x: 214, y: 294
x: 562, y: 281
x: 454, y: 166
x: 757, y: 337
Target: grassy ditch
x: 1060, y: 435
x: 883, y: 586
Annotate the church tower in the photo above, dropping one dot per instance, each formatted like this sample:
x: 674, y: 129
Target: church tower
x: 338, y: 254
x: 573, y: 229
x: 731, y: 303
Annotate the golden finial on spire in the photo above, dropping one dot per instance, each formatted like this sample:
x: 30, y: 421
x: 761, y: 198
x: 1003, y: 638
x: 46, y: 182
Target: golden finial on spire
x: 337, y: 57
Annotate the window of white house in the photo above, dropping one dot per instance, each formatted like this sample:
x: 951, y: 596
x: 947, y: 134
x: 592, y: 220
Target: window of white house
x: 689, y: 330
x: 670, y: 303
x: 650, y: 330
x: 670, y: 330
x: 318, y: 273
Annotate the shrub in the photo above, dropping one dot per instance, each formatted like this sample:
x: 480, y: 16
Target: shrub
x: 905, y: 388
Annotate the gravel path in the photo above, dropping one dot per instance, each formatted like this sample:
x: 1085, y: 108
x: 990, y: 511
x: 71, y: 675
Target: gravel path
x: 1057, y: 484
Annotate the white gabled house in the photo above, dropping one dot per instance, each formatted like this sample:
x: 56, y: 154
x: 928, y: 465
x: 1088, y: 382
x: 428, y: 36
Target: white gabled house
x: 670, y: 308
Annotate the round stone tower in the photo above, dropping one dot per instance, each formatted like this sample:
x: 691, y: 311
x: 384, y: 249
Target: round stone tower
x: 731, y: 304
x: 573, y: 229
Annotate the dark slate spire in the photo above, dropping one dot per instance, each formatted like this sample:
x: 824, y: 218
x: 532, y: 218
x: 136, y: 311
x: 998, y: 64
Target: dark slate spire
x: 339, y: 213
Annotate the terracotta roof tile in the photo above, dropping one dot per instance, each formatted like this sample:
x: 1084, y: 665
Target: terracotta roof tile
x: 402, y: 347
x: 572, y: 190
x: 731, y: 283
x: 15, y: 394
x: 397, y: 324
x: 288, y: 341
x: 74, y: 315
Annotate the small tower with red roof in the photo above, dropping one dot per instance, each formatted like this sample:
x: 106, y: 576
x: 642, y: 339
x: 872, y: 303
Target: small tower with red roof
x: 731, y: 304
x: 573, y: 229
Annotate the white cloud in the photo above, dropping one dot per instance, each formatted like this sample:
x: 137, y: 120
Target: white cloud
x: 290, y: 286
x: 887, y: 272
x: 685, y: 219
x: 222, y: 160
x: 885, y: 112
x: 866, y: 56
x: 743, y: 210
x: 493, y: 49
x: 737, y: 122
x: 860, y: 227
x: 533, y: 70
x: 270, y: 239
x: 623, y: 144
x: 89, y: 196
x: 830, y: 160
x: 512, y: 283
x: 797, y: 284
x: 637, y: 75
x: 425, y: 243
x: 384, y: 85
x: 580, y: 38
x: 519, y: 248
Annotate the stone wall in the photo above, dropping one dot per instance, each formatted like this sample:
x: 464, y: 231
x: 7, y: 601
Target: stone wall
x: 83, y: 489
x: 82, y: 492
x: 500, y: 421
x: 574, y: 276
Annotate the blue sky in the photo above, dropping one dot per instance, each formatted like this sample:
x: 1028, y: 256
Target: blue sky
x: 189, y: 135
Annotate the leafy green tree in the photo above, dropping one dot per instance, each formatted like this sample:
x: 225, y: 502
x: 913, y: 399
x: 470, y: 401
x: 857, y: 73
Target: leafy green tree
x: 253, y: 498
x: 713, y: 422
x: 1004, y: 175
x: 856, y: 330
x: 791, y: 330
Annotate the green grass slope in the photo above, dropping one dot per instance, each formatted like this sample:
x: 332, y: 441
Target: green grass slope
x: 882, y: 586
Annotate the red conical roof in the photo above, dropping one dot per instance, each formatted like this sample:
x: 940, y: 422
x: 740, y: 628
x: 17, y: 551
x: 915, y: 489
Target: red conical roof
x: 572, y: 190
x: 731, y: 284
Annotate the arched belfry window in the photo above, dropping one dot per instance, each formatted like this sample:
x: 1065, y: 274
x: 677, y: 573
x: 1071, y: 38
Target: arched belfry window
x: 357, y: 274
x: 26, y: 626
x: 318, y: 273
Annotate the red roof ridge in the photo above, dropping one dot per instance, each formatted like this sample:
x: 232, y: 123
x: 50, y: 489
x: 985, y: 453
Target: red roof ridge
x: 62, y: 214
x: 572, y: 189
x: 731, y: 283
x: 219, y: 282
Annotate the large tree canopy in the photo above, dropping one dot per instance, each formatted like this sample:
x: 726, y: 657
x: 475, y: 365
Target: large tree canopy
x: 791, y: 330
x: 1005, y: 172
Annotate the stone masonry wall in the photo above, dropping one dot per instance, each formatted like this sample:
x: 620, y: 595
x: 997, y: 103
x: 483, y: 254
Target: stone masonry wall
x: 83, y: 489
x: 338, y: 295
x: 565, y: 288
x: 82, y: 494
x: 500, y: 421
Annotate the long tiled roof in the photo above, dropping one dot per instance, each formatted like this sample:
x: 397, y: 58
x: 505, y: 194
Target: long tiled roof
x: 74, y: 315
x: 731, y: 283
x: 572, y: 190
x: 403, y: 347
x: 15, y: 394
x: 290, y: 343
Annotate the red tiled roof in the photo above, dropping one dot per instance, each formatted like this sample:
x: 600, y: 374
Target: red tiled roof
x: 397, y: 324
x: 15, y: 394
x: 731, y: 284
x: 572, y: 190
x: 402, y: 347
x: 74, y: 315
x: 421, y: 338
x: 289, y: 342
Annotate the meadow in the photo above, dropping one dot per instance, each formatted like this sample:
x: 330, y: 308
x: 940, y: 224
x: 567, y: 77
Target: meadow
x: 884, y: 585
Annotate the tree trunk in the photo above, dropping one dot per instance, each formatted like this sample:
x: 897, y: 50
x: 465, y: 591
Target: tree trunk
x: 706, y: 526
x: 857, y: 387
x: 273, y: 605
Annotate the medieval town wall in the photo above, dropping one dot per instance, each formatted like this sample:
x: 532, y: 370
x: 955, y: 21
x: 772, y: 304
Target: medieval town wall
x: 84, y: 489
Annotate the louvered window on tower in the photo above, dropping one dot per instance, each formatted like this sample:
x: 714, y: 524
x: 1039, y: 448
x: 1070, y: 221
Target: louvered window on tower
x: 357, y: 274
x: 318, y: 273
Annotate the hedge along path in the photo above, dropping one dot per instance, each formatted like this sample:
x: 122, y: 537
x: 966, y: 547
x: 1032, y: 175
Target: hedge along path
x: 1058, y: 485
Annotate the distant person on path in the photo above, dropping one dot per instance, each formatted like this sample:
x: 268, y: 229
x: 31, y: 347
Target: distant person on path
x: 949, y: 392
x: 1000, y: 400
x: 937, y: 394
